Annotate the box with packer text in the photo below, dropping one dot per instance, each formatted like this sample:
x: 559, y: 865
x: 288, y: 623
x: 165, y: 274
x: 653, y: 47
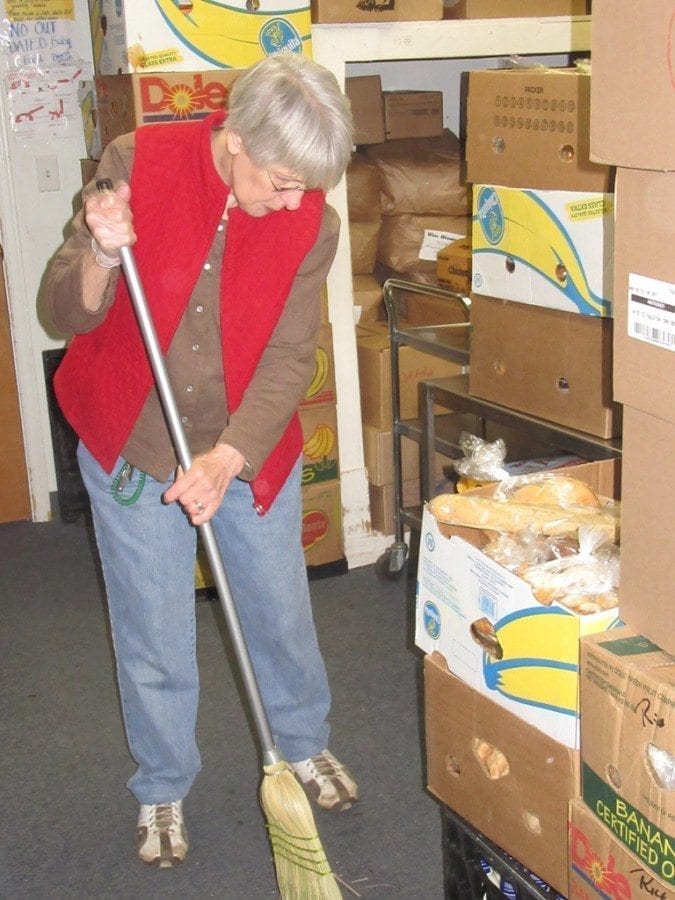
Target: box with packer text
x: 529, y: 128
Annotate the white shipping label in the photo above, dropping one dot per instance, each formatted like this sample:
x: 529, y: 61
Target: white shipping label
x: 434, y: 241
x: 651, y: 311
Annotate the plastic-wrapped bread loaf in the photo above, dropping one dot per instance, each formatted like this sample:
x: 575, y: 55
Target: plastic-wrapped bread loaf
x: 489, y: 514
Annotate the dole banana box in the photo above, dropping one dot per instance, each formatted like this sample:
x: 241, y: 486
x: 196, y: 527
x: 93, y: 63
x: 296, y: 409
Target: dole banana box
x: 601, y: 867
x: 628, y: 744
x: 532, y: 666
x: 548, y: 248
x: 320, y: 444
x: 123, y: 102
x: 185, y: 35
x: 322, y: 523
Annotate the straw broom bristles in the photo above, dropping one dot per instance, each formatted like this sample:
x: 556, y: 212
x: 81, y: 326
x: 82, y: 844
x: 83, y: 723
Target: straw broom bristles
x: 303, y: 872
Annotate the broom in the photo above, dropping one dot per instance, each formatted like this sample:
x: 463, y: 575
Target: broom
x: 303, y: 872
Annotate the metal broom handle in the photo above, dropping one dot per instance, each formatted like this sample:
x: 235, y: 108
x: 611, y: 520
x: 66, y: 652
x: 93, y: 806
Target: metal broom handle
x: 270, y: 753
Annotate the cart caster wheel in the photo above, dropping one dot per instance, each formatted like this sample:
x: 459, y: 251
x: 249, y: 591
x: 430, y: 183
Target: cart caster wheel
x: 391, y: 565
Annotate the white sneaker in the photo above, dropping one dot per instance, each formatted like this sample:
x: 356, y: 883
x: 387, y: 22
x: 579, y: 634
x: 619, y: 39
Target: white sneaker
x: 161, y: 837
x: 327, y: 781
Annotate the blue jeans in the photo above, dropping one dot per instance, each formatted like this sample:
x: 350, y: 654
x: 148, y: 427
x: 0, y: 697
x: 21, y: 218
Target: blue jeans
x: 147, y: 550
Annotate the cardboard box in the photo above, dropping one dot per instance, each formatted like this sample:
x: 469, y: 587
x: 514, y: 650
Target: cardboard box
x: 365, y: 96
x: 529, y: 128
x: 378, y: 452
x: 550, y: 248
x: 647, y: 527
x: 602, y: 867
x: 628, y: 744
x: 123, y: 102
x: 521, y: 804
x: 166, y: 36
x: 322, y: 523
x: 321, y: 390
x: 383, y: 507
x: 320, y: 444
x: 453, y: 266
x: 551, y: 364
x: 374, y: 361
x: 536, y: 677
x: 332, y: 11
x: 632, y: 113
x: 368, y: 302
x: 413, y: 114
x: 508, y: 9
x: 644, y: 292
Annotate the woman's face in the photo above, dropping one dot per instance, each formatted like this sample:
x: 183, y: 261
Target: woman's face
x: 257, y: 191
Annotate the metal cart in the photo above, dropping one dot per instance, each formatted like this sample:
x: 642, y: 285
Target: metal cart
x: 439, y: 432
x: 448, y: 341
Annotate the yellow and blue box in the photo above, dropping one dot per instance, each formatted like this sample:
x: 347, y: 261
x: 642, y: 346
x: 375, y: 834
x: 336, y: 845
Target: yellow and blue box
x: 548, y: 248
x: 178, y: 36
x: 535, y: 674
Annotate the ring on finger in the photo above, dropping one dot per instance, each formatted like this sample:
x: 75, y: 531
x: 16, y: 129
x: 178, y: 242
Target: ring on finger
x: 199, y: 506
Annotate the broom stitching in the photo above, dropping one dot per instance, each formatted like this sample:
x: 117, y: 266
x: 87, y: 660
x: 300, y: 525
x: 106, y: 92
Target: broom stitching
x: 313, y: 856
x: 279, y: 854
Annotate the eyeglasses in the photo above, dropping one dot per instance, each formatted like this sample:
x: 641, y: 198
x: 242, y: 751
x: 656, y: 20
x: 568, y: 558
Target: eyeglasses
x: 281, y: 189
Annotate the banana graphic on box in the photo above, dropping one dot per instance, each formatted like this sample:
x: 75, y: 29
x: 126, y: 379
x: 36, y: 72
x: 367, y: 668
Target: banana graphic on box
x: 321, y: 370
x: 518, y: 225
x: 237, y: 33
x: 551, y: 678
x: 320, y: 444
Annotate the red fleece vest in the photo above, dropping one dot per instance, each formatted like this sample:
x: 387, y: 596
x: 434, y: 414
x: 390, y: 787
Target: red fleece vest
x: 178, y: 199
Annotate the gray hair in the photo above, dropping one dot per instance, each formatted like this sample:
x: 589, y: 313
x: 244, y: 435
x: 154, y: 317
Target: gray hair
x: 289, y: 111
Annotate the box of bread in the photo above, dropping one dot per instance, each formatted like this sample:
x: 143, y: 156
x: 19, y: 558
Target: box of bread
x: 510, y: 577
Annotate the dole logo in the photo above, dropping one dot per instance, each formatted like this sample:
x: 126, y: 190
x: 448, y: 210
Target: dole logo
x: 601, y: 875
x: 314, y: 528
x: 182, y: 100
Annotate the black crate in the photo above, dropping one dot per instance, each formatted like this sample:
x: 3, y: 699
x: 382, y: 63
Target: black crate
x: 476, y: 869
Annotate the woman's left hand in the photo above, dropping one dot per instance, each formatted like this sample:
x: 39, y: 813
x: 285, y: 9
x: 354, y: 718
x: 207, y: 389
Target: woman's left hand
x: 201, y: 489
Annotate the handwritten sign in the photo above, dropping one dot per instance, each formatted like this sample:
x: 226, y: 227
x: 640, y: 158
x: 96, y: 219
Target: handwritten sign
x: 25, y: 10
x: 40, y: 42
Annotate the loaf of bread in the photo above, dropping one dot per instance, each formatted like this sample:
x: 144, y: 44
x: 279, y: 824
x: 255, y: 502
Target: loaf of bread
x: 474, y: 511
x: 556, y: 490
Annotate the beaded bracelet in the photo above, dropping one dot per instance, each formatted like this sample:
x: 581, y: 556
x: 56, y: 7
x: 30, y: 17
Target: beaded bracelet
x: 109, y: 263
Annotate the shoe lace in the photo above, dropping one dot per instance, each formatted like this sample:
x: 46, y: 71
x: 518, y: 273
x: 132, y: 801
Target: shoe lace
x: 324, y: 767
x: 166, y: 815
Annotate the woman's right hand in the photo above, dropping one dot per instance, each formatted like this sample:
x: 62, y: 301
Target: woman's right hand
x: 110, y: 220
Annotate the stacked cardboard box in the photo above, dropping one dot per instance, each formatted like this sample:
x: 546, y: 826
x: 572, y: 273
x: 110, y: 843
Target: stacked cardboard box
x: 622, y: 836
x: 172, y: 61
x: 633, y: 128
x: 374, y: 361
x: 167, y: 36
x: 542, y: 243
x: 321, y: 502
x: 541, y: 343
x: 332, y: 11
x: 627, y: 768
x: 502, y: 724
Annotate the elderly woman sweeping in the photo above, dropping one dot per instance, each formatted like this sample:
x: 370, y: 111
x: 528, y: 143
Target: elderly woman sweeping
x: 233, y: 240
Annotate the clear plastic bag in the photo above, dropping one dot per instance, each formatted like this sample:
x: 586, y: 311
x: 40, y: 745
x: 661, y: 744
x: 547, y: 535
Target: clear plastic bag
x: 586, y: 581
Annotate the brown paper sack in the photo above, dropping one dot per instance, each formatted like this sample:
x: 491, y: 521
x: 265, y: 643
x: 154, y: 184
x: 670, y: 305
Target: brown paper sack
x: 422, y: 176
